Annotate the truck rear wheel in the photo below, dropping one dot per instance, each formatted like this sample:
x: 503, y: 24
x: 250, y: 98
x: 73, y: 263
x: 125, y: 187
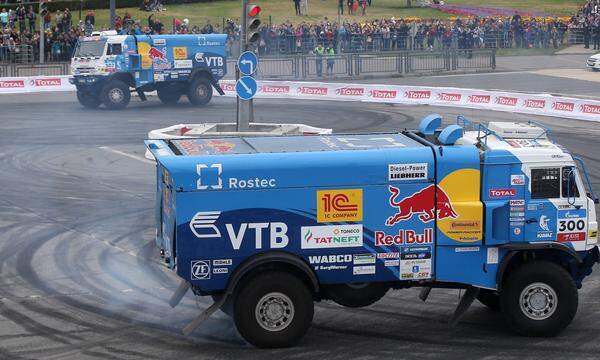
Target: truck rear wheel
x: 356, y: 294
x: 539, y: 299
x: 273, y: 310
x: 169, y: 94
x: 116, y: 95
x: 199, y: 91
x: 88, y: 100
x: 489, y: 298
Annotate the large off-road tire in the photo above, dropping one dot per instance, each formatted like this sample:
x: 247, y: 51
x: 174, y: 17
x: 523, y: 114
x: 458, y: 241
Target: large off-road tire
x: 115, y: 95
x: 356, y: 294
x: 88, y: 100
x: 200, y: 91
x: 169, y: 93
x: 489, y: 298
x: 273, y: 310
x: 539, y: 299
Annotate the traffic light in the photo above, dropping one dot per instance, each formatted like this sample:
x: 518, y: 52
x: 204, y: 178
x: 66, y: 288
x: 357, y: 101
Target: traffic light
x: 252, y: 24
x: 43, y: 9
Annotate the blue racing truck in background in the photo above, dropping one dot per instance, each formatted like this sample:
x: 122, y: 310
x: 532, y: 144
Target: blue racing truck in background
x: 105, y: 66
x: 269, y: 225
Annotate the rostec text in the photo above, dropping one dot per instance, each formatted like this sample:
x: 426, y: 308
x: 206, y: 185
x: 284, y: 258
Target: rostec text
x: 277, y: 232
x: 404, y: 237
x: 256, y: 183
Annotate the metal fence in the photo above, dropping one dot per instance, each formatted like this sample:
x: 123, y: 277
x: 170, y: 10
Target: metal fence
x: 8, y: 70
x: 16, y: 54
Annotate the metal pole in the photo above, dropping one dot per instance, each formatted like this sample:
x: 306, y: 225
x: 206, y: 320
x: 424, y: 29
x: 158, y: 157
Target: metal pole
x: 42, y: 41
x: 244, y: 106
x: 112, y: 14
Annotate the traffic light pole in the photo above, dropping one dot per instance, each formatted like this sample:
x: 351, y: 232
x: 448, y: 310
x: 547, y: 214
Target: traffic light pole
x: 42, y: 33
x: 245, y: 111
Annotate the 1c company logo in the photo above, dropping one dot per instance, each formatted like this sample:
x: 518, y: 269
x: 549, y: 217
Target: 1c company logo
x: 339, y: 205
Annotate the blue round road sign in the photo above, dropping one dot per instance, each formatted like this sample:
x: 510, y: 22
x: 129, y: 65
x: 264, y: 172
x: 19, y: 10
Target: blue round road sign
x: 246, y: 87
x: 247, y: 63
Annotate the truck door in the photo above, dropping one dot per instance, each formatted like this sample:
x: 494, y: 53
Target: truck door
x: 556, y: 208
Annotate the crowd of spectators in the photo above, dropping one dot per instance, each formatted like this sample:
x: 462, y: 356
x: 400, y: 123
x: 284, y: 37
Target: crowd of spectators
x: 61, y: 32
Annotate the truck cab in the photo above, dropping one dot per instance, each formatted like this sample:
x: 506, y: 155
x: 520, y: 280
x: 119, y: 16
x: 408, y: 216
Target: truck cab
x: 107, y: 66
x: 268, y: 225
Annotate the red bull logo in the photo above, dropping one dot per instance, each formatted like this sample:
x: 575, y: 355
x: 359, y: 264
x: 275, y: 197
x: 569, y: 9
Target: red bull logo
x: 154, y: 53
x: 420, y: 203
x: 404, y: 237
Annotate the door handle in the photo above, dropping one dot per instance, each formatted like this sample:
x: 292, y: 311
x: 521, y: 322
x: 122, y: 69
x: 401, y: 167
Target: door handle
x: 530, y: 221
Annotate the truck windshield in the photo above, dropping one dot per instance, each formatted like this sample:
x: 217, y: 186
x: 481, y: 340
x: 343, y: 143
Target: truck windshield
x: 90, y: 48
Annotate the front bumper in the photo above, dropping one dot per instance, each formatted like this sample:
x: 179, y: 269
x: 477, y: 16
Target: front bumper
x: 588, y: 259
x: 593, y: 64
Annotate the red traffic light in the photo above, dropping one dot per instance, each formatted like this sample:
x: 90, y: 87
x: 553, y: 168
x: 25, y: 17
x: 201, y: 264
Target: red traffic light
x: 254, y: 10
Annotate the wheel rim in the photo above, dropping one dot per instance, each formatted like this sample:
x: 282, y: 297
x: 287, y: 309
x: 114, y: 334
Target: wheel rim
x: 274, y: 311
x: 201, y: 91
x: 116, y: 95
x: 538, y: 301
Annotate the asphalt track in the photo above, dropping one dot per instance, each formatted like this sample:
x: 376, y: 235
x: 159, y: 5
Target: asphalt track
x: 80, y: 276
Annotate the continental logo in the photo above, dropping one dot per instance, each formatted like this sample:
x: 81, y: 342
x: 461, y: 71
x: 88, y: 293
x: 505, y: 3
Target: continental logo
x: 339, y: 205
x: 350, y: 91
x: 563, y: 106
x: 506, y: 100
x: 450, y: 97
x: 275, y: 89
x: 479, y: 99
x: 383, y: 94
x: 312, y: 90
x: 590, y: 109
x: 417, y: 94
x: 534, y: 103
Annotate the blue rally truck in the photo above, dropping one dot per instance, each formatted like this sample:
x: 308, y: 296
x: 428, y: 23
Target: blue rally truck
x: 269, y: 225
x: 105, y: 66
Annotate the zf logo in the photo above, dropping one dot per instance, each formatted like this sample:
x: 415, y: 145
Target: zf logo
x: 200, y: 269
x: 200, y: 168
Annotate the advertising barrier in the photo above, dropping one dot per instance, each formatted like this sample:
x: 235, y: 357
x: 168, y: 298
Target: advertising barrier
x: 537, y: 104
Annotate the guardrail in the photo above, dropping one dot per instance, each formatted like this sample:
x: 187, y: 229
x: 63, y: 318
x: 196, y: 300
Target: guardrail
x: 304, y: 67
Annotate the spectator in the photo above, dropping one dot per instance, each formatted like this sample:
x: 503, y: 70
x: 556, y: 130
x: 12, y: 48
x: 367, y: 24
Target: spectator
x: 31, y: 19
x: 340, y: 7
x: 21, y: 13
x: 3, y: 19
x: 91, y: 18
x: 297, y: 7
x: 318, y: 52
x: 330, y: 53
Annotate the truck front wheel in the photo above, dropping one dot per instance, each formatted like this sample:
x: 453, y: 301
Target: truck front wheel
x: 539, y: 299
x: 116, y: 95
x: 273, y: 310
x: 88, y: 100
x: 200, y: 91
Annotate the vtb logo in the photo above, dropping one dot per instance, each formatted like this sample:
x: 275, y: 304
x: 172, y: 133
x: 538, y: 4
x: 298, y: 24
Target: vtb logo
x: 339, y: 205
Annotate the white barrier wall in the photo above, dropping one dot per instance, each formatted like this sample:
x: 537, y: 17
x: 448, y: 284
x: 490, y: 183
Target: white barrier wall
x: 538, y: 104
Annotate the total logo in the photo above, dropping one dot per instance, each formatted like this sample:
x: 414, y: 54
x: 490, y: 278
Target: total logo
x: 311, y: 90
x: 331, y: 236
x: 506, y: 100
x: 449, y: 97
x: 228, y: 87
x: 404, y: 237
x: 501, y: 193
x: 534, y: 103
x: 479, y: 99
x: 348, y: 91
x: 203, y: 226
x: 205, y: 171
x: 563, y: 106
x: 590, y: 109
x: 45, y: 82
x: 383, y: 94
x: 420, y: 203
x: 417, y: 94
x: 275, y: 89
x: 7, y: 84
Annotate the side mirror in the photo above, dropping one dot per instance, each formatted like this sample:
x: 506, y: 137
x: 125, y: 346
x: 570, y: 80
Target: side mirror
x: 595, y: 200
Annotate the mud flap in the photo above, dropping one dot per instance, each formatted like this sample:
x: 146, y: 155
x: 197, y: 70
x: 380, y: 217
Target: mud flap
x: 141, y: 95
x: 216, y: 85
x: 179, y: 293
x: 463, y: 305
x: 189, y: 328
x: 424, y: 294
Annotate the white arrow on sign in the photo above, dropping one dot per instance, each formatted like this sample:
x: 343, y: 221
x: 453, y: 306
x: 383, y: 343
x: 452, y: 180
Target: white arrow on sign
x: 244, y: 62
x: 248, y: 90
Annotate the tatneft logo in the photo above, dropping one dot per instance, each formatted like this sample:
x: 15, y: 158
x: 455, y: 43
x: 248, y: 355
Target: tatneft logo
x: 331, y: 236
x: 339, y: 205
x: 498, y: 193
x: 449, y: 97
x: 310, y: 90
x: 534, y: 103
x: 506, y: 100
x: 590, y: 109
x: 205, y: 171
x: 417, y: 94
x: 563, y: 106
x: 383, y: 94
x: 200, y: 270
x: 203, y: 226
x: 10, y: 84
x: 479, y: 99
x: 347, y: 91
x: 45, y: 82
x: 275, y: 89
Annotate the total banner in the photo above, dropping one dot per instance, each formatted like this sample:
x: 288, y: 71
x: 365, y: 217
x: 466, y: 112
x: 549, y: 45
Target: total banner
x: 537, y: 104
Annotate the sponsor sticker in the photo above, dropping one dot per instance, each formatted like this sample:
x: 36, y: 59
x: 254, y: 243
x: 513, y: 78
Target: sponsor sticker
x: 350, y: 91
x: 391, y: 263
x: 329, y: 259
x: 389, y: 255
x: 382, y: 94
x: 331, y: 236
x: 222, y: 262
x: 364, y: 259
x: 467, y: 249
x: 182, y: 64
x: 517, y: 202
x: 415, y: 263
x: 159, y: 41
x: 420, y: 203
x: 571, y: 225
x: 492, y: 255
x: 200, y: 269
x: 403, y: 172
x: 517, y: 180
x: 500, y: 193
x: 404, y: 237
x: 363, y: 270
x: 339, y: 205
x: 180, y: 53
x: 220, y: 270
